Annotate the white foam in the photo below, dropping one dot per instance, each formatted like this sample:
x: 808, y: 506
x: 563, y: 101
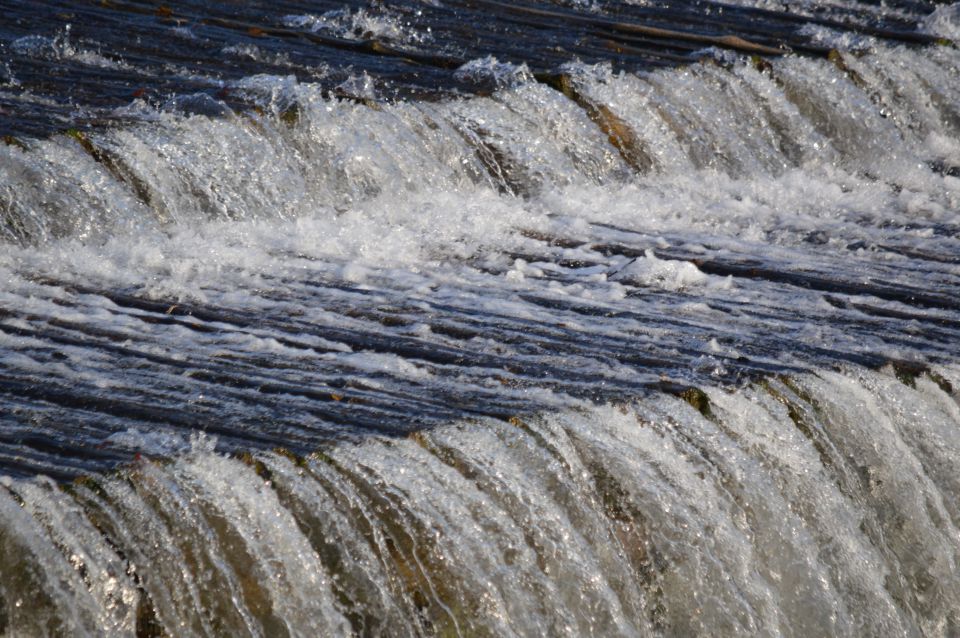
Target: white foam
x: 360, y: 24
x: 62, y: 48
x: 669, y: 275
x: 944, y: 21
x: 489, y: 68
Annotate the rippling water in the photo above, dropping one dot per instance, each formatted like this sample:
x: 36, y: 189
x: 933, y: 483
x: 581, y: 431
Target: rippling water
x: 474, y: 318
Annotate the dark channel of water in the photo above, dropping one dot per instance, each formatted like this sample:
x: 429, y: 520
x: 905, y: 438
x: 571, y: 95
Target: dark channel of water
x: 154, y: 51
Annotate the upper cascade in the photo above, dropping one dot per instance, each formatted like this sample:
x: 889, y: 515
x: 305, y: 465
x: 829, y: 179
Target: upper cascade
x: 888, y: 115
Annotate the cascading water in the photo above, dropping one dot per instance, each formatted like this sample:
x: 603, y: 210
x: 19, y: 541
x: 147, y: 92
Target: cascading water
x: 820, y: 504
x: 578, y: 348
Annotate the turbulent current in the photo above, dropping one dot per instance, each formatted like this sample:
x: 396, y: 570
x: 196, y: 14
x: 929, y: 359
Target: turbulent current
x: 480, y: 319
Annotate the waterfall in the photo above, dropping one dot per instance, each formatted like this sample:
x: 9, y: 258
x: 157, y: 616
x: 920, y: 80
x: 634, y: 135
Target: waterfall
x: 591, y: 319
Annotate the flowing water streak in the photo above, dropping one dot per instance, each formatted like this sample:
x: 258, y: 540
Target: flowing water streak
x: 814, y: 505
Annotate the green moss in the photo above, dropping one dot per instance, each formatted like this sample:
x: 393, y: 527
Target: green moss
x: 322, y: 457
x: 699, y: 400
x: 10, y: 140
x: 945, y: 385
x: 84, y: 142
x: 800, y: 420
x: 297, y: 460
x: 291, y: 116
x: 761, y: 64
x: 89, y: 483
x: 797, y: 390
x: 906, y: 373
x: 258, y: 466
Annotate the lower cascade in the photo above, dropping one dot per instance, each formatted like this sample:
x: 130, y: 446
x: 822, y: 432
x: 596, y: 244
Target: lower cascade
x: 811, y: 505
